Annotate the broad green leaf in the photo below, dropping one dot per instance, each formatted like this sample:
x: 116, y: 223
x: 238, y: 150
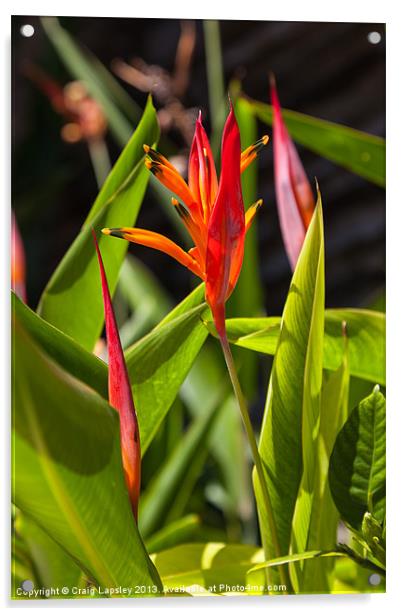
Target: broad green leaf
x: 217, y: 567
x: 357, y: 465
x: 99, y: 82
x: 365, y: 331
x: 179, y: 531
x: 72, y: 300
x: 355, y: 150
x: 324, y: 516
x: 67, y: 469
x: 293, y: 392
x: 158, y: 364
x: 161, y: 492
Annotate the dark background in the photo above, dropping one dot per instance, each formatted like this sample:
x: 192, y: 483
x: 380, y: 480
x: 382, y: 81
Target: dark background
x: 329, y: 70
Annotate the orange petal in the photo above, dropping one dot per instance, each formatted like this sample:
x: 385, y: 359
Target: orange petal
x: 251, y: 212
x: 171, y: 178
x: 250, y: 153
x: 159, y: 242
x: 202, y: 176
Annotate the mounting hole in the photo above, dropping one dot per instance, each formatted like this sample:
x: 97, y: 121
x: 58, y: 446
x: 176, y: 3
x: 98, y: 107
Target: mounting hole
x: 27, y: 585
x: 374, y: 579
x: 374, y: 38
x: 27, y: 30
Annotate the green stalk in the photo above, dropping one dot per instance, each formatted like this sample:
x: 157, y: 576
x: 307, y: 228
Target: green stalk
x: 216, y: 84
x: 256, y: 456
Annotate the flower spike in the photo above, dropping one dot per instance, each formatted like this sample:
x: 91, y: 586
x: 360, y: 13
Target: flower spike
x: 294, y: 196
x: 212, y: 212
x: 120, y: 396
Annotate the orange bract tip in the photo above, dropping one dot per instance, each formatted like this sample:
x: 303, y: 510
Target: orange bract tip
x: 146, y: 148
x: 106, y: 231
x: 265, y: 139
x: 174, y: 202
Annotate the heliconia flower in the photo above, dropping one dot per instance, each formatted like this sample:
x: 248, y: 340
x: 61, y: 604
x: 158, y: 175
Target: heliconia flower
x: 212, y: 212
x: 120, y: 396
x: 294, y: 195
x: 17, y: 261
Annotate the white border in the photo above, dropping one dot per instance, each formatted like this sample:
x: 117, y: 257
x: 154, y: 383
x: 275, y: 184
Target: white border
x: 307, y: 10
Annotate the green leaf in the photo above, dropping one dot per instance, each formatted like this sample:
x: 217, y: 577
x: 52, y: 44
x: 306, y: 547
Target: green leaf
x: 158, y: 364
x: 67, y: 469
x: 357, y: 465
x: 365, y: 331
x: 294, y: 387
x: 72, y: 300
x: 355, y: 150
x: 179, y: 531
x: 216, y: 567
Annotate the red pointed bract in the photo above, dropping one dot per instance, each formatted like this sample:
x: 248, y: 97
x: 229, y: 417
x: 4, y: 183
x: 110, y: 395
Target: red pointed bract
x: 226, y: 228
x: 293, y: 192
x: 120, y: 396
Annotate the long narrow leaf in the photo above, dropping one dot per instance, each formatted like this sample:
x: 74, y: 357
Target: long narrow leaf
x: 281, y: 435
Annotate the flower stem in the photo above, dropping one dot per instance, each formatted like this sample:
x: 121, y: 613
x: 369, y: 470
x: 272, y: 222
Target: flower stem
x: 256, y: 456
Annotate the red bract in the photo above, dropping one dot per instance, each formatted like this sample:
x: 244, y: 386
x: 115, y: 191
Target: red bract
x: 294, y: 196
x: 17, y: 261
x: 120, y: 396
x: 212, y: 213
x: 226, y: 229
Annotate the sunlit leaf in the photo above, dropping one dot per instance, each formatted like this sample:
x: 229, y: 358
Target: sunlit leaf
x: 293, y: 394
x: 217, y: 567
